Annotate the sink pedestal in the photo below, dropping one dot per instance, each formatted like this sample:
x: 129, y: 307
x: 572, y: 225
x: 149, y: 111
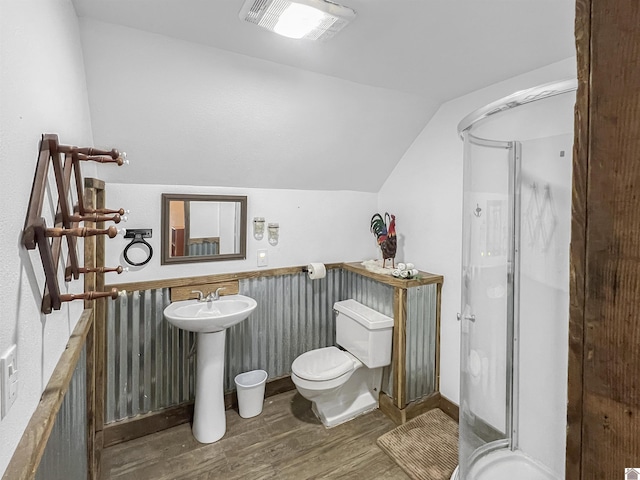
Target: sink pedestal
x: 209, y: 422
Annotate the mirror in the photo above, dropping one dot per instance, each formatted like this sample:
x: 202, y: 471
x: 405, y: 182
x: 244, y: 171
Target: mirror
x: 203, y: 228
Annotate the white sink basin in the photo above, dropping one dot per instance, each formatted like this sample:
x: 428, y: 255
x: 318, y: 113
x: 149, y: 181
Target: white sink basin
x: 211, y: 316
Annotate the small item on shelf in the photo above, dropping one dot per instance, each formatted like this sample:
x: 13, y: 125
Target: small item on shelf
x: 385, y: 231
x: 376, y: 266
x: 405, y: 271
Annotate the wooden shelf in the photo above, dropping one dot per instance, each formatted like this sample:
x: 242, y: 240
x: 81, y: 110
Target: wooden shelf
x: 423, y: 278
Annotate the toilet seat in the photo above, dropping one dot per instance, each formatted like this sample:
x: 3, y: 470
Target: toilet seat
x: 323, y: 364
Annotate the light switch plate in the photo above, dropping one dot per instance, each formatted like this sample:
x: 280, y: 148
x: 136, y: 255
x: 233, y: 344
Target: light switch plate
x: 263, y: 259
x: 8, y: 379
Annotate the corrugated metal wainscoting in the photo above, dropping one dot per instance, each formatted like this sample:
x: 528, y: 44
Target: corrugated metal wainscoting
x: 148, y: 361
x: 421, y: 341
x: 376, y: 295
x: 294, y: 315
x: 65, y: 455
x: 151, y: 365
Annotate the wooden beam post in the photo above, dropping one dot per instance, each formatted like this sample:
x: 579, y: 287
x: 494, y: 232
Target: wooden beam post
x: 604, y: 359
x: 399, y: 346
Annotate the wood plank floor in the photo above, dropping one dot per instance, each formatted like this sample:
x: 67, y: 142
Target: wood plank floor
x: 285, y: 442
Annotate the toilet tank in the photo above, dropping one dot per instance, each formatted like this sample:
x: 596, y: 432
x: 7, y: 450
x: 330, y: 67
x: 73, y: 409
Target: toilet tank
x: 364, y: 332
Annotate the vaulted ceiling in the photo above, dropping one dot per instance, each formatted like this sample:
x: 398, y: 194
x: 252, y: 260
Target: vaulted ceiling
x: 197, y: 96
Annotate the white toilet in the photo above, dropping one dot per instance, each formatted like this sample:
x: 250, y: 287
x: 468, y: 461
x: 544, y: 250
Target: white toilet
x: 344, y: 384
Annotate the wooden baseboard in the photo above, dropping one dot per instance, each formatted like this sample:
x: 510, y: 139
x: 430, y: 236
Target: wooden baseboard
x: 450, y: 408
x: 142, y: 425
x: 386, y: 406
x: 412, y: 410
x: 481, y: 429
x: 136, y: 427
x: 422, y: 405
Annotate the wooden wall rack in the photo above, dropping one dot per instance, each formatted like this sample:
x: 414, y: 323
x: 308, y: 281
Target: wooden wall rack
x: 65, y: 160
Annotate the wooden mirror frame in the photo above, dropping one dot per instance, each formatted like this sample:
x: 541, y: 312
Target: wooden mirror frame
x: 166, y: 257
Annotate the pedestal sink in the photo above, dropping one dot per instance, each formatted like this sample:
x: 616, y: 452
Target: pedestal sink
x: 210, y: 319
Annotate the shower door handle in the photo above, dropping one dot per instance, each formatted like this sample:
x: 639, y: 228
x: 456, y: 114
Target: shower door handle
x: 466, y: 317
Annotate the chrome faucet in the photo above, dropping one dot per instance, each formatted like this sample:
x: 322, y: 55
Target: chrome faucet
x: 211, y: 296
x: 214, y: 295
x: 200, y: 295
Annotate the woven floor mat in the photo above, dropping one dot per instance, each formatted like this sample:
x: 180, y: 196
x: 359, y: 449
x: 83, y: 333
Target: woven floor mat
x: 426, y: 448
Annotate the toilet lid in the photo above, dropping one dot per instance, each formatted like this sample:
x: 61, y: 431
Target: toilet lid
x: 322, y: 364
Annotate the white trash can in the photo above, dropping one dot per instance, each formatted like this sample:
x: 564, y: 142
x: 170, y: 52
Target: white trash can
x: 250, y: 388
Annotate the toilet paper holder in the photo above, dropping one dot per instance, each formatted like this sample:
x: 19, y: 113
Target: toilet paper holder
x: 314, y: 271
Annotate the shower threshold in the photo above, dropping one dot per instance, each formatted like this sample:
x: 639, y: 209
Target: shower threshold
x: 505, y: 465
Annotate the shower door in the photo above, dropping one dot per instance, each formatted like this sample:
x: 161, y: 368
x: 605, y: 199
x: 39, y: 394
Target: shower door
x: 489, y: 296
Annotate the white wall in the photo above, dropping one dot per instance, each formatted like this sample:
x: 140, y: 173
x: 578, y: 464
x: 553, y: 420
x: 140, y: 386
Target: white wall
x: 195, y: 115
x: 42, y: 90
x: 315, y: 226
x: 425, y: 193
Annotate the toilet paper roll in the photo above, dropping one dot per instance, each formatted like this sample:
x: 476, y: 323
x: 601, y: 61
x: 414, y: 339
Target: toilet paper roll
x: 316, y: 271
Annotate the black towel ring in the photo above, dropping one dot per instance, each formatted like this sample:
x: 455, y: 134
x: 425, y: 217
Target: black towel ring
x: 136, y: 240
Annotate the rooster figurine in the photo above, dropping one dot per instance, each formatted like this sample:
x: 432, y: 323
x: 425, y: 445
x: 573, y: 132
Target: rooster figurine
x: 385, y: 231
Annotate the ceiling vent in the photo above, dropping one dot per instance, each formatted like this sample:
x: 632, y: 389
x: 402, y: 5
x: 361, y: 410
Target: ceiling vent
x: 308, y: 19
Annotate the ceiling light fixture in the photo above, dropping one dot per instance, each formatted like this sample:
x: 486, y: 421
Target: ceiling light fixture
x: 308, y: 19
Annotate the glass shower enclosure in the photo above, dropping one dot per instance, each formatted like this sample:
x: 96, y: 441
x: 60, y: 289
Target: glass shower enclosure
x: 515, y: 285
